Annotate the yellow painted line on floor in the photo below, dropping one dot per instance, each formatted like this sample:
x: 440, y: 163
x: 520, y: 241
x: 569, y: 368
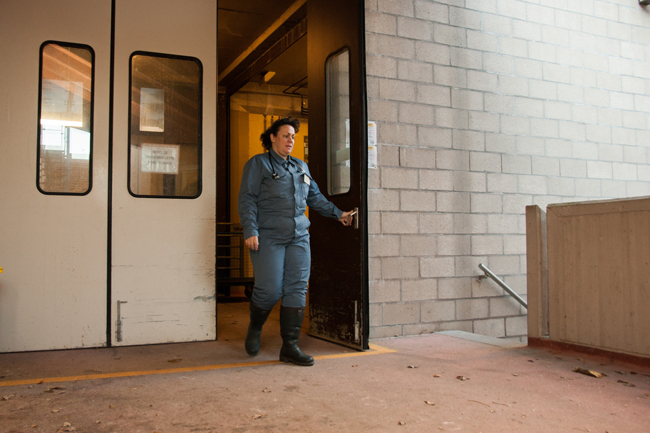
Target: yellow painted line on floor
x: 374, y: 350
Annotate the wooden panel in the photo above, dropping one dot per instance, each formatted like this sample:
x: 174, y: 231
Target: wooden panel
x: 599, y: 274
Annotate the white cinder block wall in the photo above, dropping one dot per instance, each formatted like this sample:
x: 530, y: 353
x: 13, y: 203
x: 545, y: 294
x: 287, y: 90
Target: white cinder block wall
x: 484, y: 107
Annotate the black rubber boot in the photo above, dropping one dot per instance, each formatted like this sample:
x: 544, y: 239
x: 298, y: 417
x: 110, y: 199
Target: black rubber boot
x: 290, y: 323
x: 258, y: 318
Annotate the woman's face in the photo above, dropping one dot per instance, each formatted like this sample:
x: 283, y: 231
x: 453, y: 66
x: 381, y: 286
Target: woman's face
x: 283, y: 142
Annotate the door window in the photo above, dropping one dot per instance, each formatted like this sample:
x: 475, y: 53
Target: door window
x: 338, y: 122
x: 65, y: 118
x: 165, y: 126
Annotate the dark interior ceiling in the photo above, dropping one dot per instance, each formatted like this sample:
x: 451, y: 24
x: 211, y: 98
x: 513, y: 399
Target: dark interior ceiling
x: 241, y: 22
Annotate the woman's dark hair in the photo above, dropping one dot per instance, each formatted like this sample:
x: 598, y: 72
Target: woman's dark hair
x: 266, y: 137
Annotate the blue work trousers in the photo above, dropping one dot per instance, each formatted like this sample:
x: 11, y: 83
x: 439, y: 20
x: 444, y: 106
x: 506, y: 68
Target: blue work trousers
x: 281, y: 269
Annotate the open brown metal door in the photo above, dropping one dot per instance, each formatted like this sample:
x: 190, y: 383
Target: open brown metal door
x: 338, y: 293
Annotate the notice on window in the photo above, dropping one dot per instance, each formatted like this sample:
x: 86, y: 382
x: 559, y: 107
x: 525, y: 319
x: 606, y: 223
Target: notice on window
x: 372, y: 144
x: 159, y: 158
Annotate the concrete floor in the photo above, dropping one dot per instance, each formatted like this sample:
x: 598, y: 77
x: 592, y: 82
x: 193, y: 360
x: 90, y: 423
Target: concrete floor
x: 416, y: 386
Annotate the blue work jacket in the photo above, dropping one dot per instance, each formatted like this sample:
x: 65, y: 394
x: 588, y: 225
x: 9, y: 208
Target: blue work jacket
x: 276, y: 207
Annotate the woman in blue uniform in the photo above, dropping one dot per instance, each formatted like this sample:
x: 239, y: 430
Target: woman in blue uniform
x: 274, y: 193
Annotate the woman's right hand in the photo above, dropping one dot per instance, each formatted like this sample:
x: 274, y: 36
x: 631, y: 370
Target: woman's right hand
x: 252, y: 243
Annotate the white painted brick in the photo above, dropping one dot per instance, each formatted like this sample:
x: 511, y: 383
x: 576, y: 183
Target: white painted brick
x: 482, y: 41
x: 516, y: 203
x: 383, y: 199
x: 432, y: 11
x: 417, y: 157
x: 516, y: 164
x: 448, y: 35
x: 516, y: 326
x: 599, y: 133
x: 499, y: 103
x: 540, y: 14
x: 466, y: 99
x: 502, y: 223
x: 399, y: 267
x: 641, y: 70
x: 380, y: 66
x: 582, y: 41
x: 386, y: 331
x: 399, y: 222
x: 462, y: 17
x: 419, y: 290
x: 484, y: 245
x: 433, y: 95
x: 526, y: 30
x: 532, y: 185
x: 482, y: 121
x: 640, y: 35
x: 568, y: 20
x: 605, y: 10
x: 458, y: 245
x: 513, y: 46
x: 502, y: 183
x: 468, y: 266
x: 372, y: 43
x: 634, y: 120
x: 528, y: 68
x: 398, y: 314
x: 624, y: 171
x: 572, y: 131
x: 569, y: 93
x: 557, y: 73
x: 599, y: 170
x: 375, y: 313
x: 418, y: 245
x: 514, y: 244
x: 588, y: 188
x: 542, y: 52
x: 483, y: 161
x: 559, y: 148
x: 613, y: 188
x: 569, y: 56
x: 561, y: 186
x: 471, y: 308
x: 434, y: 137
x: 542, y: 89
x: 446, y: 76
x: 504, y: 306
x: 609, y: 81
x: 530, y: 145
x: 482, y: 81
x: 512, y: 8
x: 464, y: 58
x: 414, y: 29
x: 596, y: 62
x: 388, y: 155
x: 396, y: 90
x: 454, y: 288
x: 416, y: 113
x: 482, y: 5
x: 374, y: 223
x: 583, y: 77
x: 452, y: 160
x: 572, y: 168
x: 408, y: 70
x: 611, y: 117
x: 555, y: 36
x: 371, y: 5
x: 583, y: 150
x: 468, y: 140
x: 636, y: 189
x: 637, y: 155
x: 505, y: 265
x: 384, y: 291
x: 436, y: 267
x: 422, y: 201
x: 395, y: 47
x: 432, y: 53
x: 546, y: 166
x: 624, y: 136
x: 513, y: 85
x: 384, y: 246
x: 486, y: 203
x: 439, y: 311
x: 395, y: 133
x: 396, y: 7
x: 619, y: 30
x: 641, y: 103
x: 557, y: 110
x: 468, y: 181
x: 515, y: 125
x: 608, y: 152
x: 400, y: 178
x: 497, y: 63
x: 372, y: 85
x: 632, y: 50
x: 452, y: 118
x: 436, y: 223
x: 593, y: 25
x: 496, y: 24
x: 643, y: 172
x: 381, y: 23
x: 374, y: 181
x: 621, y: 66
x: 438, y: 180
x: 382, y: 111
x: 544, y: 128
x: 584, y: 114
x: 529, y: 107
x: 470, y: 223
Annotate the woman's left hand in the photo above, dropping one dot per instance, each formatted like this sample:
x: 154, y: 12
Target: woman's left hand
x: 346, y: 218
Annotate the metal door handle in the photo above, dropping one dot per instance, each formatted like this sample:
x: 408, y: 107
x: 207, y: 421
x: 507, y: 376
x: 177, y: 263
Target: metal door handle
x: 356, y: 220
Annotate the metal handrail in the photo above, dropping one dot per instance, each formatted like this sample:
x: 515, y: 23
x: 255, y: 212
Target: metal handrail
x: 490, y: 274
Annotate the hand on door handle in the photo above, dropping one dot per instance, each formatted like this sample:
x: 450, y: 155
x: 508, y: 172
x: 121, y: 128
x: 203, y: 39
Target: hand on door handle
x: 347, y: 217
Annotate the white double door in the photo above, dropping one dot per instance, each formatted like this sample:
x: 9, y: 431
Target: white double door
x: 69, y: 261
